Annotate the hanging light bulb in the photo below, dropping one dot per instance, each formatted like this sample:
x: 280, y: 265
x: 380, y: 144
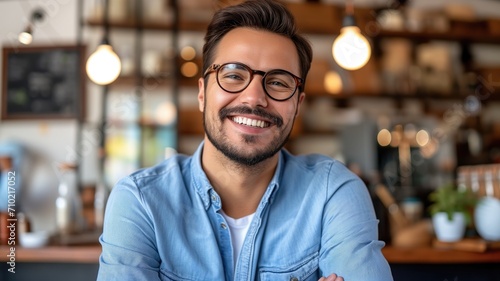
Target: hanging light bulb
x: 26, y: 36
x: 104, y: 65
x: 332, y: 82
x: 351, y: 50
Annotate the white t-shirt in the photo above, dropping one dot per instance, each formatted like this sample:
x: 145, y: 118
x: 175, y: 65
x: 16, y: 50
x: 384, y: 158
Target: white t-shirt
x: 238, y: 229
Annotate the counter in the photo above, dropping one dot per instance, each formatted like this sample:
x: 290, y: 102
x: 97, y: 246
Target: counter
x: 407, y: 264
x: 90, y: 254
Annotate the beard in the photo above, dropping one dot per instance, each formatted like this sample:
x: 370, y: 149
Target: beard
x: 220, y: 141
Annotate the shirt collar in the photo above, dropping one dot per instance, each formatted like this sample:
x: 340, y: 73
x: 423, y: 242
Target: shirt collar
x: 199, y: 178
x: 204, y: 188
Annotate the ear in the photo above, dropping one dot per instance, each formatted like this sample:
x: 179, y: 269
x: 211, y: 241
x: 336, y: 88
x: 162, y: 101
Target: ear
x: 201, y: 93
x: 299, y: 102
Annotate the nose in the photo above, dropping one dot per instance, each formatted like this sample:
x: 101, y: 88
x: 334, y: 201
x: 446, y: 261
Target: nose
x: 254, y: 94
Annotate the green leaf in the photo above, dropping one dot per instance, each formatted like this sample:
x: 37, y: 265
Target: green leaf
x: 449, y: 199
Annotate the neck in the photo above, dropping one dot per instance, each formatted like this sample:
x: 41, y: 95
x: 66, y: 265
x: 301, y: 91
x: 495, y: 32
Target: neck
x: 240, y: 187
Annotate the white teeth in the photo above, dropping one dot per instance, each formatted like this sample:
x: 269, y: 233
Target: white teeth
x: 250, y: 122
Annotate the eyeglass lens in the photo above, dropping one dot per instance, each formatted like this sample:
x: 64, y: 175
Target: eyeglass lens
x: 235, y: 78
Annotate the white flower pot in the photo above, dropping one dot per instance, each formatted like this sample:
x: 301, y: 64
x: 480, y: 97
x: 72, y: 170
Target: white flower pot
x: 446, y: 230
x: 487, y: 218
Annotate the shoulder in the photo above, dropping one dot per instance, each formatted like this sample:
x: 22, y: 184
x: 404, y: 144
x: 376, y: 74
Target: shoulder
x: 320, y: 172
x: 172, y: 163
x: 169, y: 169
x: 315, y: 163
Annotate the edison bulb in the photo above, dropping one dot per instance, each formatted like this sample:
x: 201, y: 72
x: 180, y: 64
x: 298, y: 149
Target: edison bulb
x: 333, y: 82
x: 384, y: 137
x: 25, y: 38
x: 166, y: 113
x: 422, y: 138
x: 351, y: 50
x: 189, y: 69
x: 188, y: 53
x: 103, y: 66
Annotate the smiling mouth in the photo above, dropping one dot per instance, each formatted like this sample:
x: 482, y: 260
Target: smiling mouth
x: 251, y: 122
x: 263, y: 119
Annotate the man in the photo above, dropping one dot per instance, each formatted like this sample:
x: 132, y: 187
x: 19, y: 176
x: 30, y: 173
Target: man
x: 242, y: 208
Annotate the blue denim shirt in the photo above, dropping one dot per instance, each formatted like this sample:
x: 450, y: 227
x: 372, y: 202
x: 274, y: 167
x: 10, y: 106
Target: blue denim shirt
x: 316, y: 218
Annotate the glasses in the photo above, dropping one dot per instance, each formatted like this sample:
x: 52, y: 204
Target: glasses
x: 234, y: 77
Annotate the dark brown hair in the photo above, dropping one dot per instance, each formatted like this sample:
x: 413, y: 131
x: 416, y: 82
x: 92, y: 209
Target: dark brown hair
x: 266, y: 15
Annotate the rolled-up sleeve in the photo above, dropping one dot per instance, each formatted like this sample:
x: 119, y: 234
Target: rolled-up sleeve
x: 349, y: 243
x: 129, y: 249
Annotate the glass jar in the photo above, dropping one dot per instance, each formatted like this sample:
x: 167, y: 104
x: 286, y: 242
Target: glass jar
x: 69, y: 217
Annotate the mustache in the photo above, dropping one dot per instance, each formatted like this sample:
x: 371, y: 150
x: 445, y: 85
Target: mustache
x: 276, y: 120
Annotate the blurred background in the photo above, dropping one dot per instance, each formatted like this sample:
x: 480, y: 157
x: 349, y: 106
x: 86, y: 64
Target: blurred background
x: 423, y: 104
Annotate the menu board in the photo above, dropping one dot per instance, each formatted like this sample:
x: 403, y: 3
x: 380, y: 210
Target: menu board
x: 43, y: 82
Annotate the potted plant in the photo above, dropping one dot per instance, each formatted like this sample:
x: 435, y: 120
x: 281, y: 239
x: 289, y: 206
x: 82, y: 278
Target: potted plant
x: 450, y: 210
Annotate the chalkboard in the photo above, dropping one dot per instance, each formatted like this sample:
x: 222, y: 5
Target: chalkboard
x: 43, y: 82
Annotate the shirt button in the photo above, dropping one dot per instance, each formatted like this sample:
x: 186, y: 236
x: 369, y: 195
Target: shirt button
x: 223, y: 225
x: 294, y: 279
x: 214, y: 198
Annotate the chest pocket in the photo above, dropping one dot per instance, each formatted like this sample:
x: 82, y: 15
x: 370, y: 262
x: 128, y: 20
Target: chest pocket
x: 305, y: 270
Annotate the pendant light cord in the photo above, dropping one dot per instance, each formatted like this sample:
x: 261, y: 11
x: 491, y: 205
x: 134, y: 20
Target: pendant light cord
x: 106, y: 22
x: 349, y: 7
x: 348, y: 19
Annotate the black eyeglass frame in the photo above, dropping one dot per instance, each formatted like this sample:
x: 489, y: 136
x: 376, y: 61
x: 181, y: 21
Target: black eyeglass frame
x: 216, y: 67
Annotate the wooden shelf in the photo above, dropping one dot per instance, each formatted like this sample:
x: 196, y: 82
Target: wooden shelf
x: 154, y: 81
x: 396, y: 96
x: 150, y: 25
x: 147, y: 123
x: 326, y: 19
x: 436, y: 256
x: 481, y: 36
x: 54, y: 254
x: 90, y: 254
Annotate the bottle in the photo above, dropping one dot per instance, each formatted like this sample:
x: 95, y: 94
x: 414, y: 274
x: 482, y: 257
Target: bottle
x: 101, y: 197
x: 69, y: 217
x: 23, y: 223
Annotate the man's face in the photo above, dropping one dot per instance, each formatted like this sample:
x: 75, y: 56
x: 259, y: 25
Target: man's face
x: 249, y: 127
